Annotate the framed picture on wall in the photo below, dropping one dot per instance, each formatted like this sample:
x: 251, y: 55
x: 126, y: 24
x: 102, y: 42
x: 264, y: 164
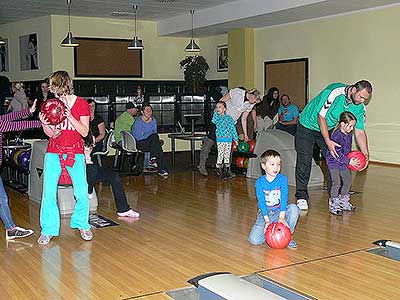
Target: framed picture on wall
x: 4, y: 60
x: 222, y: 58
x: 28, y: 52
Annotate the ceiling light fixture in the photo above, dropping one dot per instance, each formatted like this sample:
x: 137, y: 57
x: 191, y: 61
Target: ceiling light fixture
x: 192, y: 46
x: 69, y: 40
x: 2, y: 41
x: 136, y: 44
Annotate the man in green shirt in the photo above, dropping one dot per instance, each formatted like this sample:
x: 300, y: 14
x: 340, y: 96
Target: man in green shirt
x: 320, y: 116
x: 125, y: 121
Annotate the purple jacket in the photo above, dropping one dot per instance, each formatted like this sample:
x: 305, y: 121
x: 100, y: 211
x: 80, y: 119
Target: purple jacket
x: 345, y: 141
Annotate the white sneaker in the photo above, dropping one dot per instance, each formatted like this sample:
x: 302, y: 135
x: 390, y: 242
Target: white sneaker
x: 91, y: 196
x: 302, y: 204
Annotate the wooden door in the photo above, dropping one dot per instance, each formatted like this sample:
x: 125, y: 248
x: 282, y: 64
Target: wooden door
x: 290, y: 77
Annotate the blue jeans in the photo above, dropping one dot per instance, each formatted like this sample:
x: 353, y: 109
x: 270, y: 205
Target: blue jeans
x: 5, y: 213
x: 50, y: 213
x: 257, y: 236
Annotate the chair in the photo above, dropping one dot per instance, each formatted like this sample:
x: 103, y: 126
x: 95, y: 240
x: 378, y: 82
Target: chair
x: 107, y: 143
x: 128, y: 145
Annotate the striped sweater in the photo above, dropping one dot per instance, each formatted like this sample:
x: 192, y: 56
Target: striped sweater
x: 11, y: 122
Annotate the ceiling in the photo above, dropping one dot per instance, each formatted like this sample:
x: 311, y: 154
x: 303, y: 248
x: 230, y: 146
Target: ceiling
x: 173, y: 16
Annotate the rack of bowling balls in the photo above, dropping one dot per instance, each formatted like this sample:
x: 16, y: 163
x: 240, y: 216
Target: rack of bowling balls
x: 242, y: 152
x: 16, y: 156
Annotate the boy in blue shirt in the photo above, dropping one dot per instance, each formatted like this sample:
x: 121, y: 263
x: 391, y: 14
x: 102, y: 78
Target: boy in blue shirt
x: 272, y: 196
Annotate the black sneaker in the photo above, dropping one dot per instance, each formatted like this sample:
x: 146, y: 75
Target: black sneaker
x: 18, y: 232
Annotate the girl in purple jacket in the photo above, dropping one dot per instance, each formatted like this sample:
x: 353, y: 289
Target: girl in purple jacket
x: 12, y: 122
x: 339, y: 193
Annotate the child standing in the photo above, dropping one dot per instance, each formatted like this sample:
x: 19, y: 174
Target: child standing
x: 65, y: 148
x: 225, y: 133
x: 339, y: 193
x: 11, y: 122
x: 272, y: 196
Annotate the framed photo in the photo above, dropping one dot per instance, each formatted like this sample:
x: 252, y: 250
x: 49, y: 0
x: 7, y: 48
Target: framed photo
x: 222, y: 58
x: 28, y: 52
x: 4, y: 60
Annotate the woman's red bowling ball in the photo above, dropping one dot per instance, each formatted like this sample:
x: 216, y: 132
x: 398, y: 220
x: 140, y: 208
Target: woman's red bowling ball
x: 54, y: 110
x: 361, y: 158
x: 278, y: 235
x: 239, y: 162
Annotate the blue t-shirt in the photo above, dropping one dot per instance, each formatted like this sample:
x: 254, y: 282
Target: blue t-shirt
x: 142, y: 130
x: 291, y: 112
x: 272, y: 196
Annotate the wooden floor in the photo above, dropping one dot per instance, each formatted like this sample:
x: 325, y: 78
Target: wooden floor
x: 192, y: 225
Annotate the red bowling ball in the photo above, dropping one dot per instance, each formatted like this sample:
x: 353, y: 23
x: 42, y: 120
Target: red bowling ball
x: 278, y: 235
x: 54, y: 110
x: 361, y: 158
x: 252, y: 144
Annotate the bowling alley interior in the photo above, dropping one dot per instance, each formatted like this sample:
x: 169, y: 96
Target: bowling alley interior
x: 169, y: 126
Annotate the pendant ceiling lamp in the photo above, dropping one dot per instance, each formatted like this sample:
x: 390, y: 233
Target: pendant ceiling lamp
x: 136, y: 44
x: 2, y: 41
x: 69, y: 40
x: 192, y: 46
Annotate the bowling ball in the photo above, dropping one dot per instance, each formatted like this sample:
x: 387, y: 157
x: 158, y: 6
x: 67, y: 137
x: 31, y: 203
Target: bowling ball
x: 246, y: 163
x: 16, y: 155
x: 239, y: 162
x: 278, y: 235
x: 234, y: 146
x: 360, y: 156
x: 54, y: 110
x: 252, y: 145
x: 243, y: 147
x: 24, y: 158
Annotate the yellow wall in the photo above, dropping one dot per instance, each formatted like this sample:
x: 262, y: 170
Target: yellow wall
x: 161, y: 55
x: 12, y: 32
x: 345, y: 49
x: 241, y: 58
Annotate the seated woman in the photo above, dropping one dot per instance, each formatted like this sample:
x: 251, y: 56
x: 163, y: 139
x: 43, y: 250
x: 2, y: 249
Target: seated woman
x: 288, y: 115
x: 144, y: 130
x: 96, y: 173
x: 97, y: 126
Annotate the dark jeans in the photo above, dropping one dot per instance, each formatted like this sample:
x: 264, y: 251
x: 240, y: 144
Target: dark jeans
x: 152, y: 145
x: 95, y: 173
x: 288, y: 128
x: 304, y: 144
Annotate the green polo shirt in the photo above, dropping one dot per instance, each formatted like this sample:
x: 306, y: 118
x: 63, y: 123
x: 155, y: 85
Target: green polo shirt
x: 330, y: 103
x: 123, y: 123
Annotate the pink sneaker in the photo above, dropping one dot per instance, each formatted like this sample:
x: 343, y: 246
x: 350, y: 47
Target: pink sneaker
x: 130, y: 214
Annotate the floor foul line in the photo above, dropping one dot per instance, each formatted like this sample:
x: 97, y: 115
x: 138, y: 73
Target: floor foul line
x: 313, y: 260
x: 144, y: 295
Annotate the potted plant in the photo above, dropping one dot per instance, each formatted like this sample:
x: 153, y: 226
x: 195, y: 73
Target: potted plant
x: 195, y: 70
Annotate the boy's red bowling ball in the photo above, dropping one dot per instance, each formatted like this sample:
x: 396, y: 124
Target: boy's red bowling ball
x: 252, y: 144
x: 54, y: 110
x: 278, y: 235
x: 361, y: 158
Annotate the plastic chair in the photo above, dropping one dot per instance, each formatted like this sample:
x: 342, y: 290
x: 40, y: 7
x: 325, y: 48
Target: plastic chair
x: 107, y: 143
x: 128, y: 145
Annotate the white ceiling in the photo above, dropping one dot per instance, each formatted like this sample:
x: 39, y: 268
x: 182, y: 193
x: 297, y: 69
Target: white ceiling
x: 211, y: 16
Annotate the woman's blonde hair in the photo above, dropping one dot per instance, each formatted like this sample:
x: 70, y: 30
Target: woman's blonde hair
x: 18, y: 86
x: 61, y: 83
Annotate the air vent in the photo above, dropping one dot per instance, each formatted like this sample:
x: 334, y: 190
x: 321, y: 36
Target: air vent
x: 165, y: 1
x: 121, y: 14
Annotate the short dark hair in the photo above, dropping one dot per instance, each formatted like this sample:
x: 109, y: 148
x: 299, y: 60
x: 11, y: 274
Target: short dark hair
x: 130, y: 105
x: 90, y: 101
x: 269, y: 153
x: 363, y: 85
x: 286, y: 96
x: 221, y: 102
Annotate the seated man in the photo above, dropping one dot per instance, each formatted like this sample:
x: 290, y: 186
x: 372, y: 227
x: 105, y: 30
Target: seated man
x: 288, y: 116
x: 125, y: 121
x: 144, y: 130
